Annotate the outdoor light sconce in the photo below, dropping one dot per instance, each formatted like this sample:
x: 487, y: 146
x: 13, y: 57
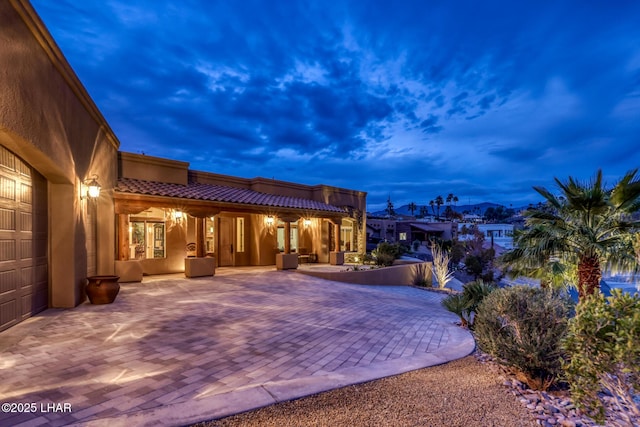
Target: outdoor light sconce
x: 177, y: 215
x: 307, y: 222
x: 270, y: 220
x: 90, y: 188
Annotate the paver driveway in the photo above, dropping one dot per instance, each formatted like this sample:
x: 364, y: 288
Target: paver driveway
x: 177, y: 351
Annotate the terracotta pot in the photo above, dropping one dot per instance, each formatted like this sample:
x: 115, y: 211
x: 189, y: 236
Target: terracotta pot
x: 102, y: 289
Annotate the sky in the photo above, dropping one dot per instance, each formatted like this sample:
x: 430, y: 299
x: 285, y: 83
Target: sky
x: 405, y: 100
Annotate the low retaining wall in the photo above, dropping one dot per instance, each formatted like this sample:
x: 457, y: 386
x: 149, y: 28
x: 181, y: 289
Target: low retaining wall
x: 395, y: 275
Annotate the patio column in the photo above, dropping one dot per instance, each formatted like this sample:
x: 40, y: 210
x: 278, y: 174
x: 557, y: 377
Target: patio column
x: 336, y: 227
x: 287, y: 237
x: 200, y: 250
x: 123, y: 237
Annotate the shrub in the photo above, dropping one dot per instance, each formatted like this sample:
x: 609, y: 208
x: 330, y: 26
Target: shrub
x: 421, y: 276
x: 473, y: 266
x: 386, y: 253
x: 466, y: 304
x: 474, y: 293
x: 522, y: 327
x: 440, y: 266
x: 456, y: 304
x: 603, y: 349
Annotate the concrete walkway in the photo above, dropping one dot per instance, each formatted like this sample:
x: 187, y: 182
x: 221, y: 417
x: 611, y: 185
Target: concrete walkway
x: 177, y: 351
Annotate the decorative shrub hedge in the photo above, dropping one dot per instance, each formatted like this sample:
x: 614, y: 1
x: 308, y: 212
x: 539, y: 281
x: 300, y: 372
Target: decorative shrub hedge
x: 523, y: 327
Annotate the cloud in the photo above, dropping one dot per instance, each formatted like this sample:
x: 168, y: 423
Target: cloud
x: 410, y: 98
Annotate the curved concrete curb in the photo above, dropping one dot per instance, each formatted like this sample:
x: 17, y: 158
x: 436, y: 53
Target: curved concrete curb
x: 259, y: 395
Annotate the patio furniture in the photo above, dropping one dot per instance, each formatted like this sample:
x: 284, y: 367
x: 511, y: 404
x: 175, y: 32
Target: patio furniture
x: 304, y: 256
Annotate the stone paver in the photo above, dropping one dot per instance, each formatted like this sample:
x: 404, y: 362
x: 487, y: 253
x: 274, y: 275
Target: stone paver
x: 176, y: 351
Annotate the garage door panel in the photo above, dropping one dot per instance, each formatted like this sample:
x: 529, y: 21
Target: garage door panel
x: 26, y: 249
x: 8, y: 281
x: 27, y: 306
x: 7, y: 219
x: 27, y: 276
x: 26, y: 221
x: 7, y: 188
x: 8, y: 314
x: 7, y: 250
x: 25, y: 194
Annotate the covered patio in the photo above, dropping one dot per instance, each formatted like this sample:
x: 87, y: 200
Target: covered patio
x: 171, y: 219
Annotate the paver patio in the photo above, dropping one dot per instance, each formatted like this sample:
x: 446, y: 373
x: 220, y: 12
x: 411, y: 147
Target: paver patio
x: 175, y: 351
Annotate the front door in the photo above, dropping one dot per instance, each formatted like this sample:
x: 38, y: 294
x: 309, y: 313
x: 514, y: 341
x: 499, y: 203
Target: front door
x: 226, y: 242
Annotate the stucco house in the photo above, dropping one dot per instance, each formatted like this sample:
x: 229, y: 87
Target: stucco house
x: 151, y: 215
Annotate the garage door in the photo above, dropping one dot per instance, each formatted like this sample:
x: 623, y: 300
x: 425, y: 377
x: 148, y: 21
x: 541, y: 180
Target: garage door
x: 23, y: 240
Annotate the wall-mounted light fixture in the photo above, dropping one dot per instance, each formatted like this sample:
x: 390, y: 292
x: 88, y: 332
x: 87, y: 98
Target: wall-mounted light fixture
x: 270, y: 220
x: 177, y: 215
x: 90, y: 188
x: 307, y: 222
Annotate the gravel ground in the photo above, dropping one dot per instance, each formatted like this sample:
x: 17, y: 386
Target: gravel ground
x: 464, y: 392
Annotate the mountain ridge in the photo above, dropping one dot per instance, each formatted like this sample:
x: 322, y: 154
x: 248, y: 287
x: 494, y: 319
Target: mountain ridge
x: 477, y: 208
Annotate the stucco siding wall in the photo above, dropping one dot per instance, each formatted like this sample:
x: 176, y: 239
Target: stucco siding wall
x: 48, y: 119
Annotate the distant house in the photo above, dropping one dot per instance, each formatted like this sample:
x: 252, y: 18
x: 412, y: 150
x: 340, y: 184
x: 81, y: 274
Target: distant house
x: 408, y: 231
x: 473, y: 218
x: 381, y: 229
x: 411, y: 231
x: 498, y: 234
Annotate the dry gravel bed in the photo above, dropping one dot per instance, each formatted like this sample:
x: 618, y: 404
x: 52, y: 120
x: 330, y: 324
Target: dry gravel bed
x: 464, y: 392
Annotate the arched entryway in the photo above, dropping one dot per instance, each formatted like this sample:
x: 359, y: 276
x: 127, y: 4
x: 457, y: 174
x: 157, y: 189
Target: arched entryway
x: 23, y: 240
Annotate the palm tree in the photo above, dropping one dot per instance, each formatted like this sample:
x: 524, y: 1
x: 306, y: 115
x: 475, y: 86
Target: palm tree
x: 439, y: 202
x: 412, y: 207
x: 432, y: 204
x: 587, y: 230
x: 390, y: 211
x: 423, y: 211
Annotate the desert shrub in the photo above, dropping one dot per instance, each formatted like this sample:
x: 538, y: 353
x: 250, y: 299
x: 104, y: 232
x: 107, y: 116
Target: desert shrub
x: 522, y: 327
x: 473, y: 266
x: 603, y: 349
x: 368, y: 259
x: 466, y: 304
x: 456, y: 304
x: 387, y: 252
x: 474, y: 293
x: 488, y: 276
x: 440, y: 266
x: 385, y: 259
x: 457, y: 252
x: 421, y: 276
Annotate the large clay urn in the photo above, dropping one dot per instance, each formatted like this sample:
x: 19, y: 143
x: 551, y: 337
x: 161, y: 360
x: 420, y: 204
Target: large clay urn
x: 102, y: 289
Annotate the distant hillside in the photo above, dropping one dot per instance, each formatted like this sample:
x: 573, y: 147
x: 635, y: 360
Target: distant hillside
x: 477, y: 209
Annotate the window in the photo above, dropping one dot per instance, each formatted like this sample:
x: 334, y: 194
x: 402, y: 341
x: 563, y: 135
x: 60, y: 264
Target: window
x: 147, y: 234
x: 239, y: 234
x: 293, y: 237
x: 402, y: 236
x: 209, y: 235
x: 346, y: 237
x: 147, y: 239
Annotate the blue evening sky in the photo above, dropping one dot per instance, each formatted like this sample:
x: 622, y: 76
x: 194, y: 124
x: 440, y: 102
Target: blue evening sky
x: 411, y: 99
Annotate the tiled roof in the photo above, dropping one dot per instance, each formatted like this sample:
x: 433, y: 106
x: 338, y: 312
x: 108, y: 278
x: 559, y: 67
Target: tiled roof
x: 219, y: 193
